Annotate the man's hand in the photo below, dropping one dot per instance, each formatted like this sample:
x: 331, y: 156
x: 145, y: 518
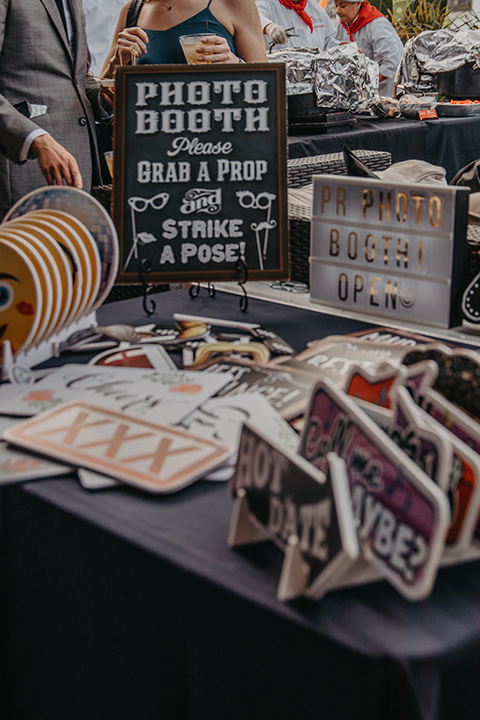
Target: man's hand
x: 58, y: 166
x: 276, y: 33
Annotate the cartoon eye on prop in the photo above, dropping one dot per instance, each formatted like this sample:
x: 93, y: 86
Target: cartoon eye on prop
x: 6, y: 294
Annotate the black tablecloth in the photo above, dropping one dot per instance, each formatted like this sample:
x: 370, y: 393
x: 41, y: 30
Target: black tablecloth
x: 118, y: 605
x: 451, y: 142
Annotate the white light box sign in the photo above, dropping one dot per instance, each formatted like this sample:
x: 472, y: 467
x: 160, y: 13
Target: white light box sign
x: 391, y: 250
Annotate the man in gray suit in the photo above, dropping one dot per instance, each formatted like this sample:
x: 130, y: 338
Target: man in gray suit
x: 47, y: 100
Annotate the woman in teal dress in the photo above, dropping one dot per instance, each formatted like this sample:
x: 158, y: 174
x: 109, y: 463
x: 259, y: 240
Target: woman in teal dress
x: 157, y: 25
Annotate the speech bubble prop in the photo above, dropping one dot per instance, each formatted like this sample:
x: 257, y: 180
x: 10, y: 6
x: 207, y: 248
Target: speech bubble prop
x: 402, y: 516
x: 282, y: 497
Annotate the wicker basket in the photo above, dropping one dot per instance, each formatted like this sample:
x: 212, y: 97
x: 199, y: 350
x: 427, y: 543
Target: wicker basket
x: 300, y: 173
x: 103, y: 193
x: 300, y: 170
x: 299, y: 223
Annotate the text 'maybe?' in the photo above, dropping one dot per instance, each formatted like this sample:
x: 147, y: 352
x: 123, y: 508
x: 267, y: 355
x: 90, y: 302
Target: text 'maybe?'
x: 402, y: 517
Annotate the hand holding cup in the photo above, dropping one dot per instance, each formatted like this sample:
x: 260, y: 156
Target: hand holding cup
x: 206, y: 48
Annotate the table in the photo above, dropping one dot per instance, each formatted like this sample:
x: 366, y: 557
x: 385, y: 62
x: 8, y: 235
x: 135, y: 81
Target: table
x: 118, y: 605
x: 451, y: 142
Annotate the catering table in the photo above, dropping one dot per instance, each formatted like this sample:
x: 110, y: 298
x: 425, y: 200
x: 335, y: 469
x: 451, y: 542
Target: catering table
x: 118, y: 605
x: 451, y: 142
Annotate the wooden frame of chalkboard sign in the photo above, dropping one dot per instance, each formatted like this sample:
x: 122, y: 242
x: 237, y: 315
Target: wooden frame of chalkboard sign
x: 200, y: 172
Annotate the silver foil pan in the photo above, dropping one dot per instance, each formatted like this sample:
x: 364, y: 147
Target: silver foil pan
x: 342, y: 77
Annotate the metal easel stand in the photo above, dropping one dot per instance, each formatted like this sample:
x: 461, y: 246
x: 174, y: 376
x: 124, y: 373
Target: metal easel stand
x: 145, y: 268
x: 194, y: 290
x: 240, y: 267
x: 149, y: 305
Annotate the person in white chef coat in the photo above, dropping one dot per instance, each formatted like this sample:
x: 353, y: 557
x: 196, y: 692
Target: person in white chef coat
x: 311, y: 26
x: 375, y: 35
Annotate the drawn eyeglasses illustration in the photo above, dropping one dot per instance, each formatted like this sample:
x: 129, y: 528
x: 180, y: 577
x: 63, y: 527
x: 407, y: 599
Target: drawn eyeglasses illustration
x: 139, y: 205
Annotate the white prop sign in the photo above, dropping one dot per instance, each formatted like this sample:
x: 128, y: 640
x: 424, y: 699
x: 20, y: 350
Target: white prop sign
x: 395, y: 251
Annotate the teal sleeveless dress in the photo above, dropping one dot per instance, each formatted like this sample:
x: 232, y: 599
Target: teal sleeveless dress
x: 164, y: 47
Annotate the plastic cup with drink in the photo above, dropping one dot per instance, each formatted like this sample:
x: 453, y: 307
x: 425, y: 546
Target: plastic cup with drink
x: 190, y: 44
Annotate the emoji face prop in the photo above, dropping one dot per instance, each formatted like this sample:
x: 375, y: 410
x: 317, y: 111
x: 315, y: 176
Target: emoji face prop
x: 20, y: 297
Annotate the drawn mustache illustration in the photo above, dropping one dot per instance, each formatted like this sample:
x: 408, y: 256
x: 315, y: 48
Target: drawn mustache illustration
x: 262, y: 201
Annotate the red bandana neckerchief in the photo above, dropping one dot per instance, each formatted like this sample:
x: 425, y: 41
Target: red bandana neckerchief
x: 299, y: 8
x: 366, y: 15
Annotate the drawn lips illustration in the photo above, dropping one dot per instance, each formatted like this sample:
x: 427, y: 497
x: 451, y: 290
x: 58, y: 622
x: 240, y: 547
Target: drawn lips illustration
x: 25, y: 308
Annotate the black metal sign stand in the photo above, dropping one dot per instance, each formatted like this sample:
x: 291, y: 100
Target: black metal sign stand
x: 149, y: 304
x: 240, y: 267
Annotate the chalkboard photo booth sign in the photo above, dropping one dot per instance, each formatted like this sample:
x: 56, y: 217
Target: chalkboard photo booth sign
x: 200, y: 171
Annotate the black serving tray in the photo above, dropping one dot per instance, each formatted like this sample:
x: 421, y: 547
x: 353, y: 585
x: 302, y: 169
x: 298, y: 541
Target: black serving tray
x: 460, y: 84
x: 313, y: 126
x: 449, y: 110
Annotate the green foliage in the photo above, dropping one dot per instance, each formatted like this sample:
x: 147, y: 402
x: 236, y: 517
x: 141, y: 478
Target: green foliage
x: 385, y: 6
x: 418, y: 15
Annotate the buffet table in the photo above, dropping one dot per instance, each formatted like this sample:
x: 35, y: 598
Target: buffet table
x: 118, y: 605
x: 451, y: 142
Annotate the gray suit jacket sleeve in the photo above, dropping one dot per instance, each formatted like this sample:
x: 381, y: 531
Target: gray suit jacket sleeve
x: 36, y: 66
x: 14, y: 126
